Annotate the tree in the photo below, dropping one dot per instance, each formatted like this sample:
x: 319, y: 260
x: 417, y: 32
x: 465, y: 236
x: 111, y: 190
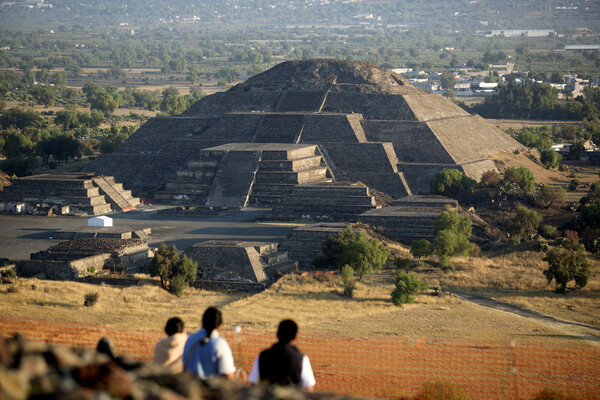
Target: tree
x: 421, y: 248
x: 406, y: 286
x: 550, y: 158
x: 354, y: 249
x: 452, y: 233
x: 547, y: 194
x: 525, y: 223
x: 450, y: 182
x: 104, y: 103
x: 566, y: 265
x: 522, y: 177
x: 175, y: 273
x: 448, y: 80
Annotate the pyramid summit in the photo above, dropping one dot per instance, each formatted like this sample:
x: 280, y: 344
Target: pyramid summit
x: 308, y: 121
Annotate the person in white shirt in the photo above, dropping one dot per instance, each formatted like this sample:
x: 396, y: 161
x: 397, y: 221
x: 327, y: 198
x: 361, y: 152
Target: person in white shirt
x: 283, y: 363
x: 168, y: 351
x: 207, y: 354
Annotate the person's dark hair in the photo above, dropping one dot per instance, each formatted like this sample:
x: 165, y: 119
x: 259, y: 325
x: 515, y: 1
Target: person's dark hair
x: 174, y: 325
x: 106, y: 346
x: 211, y: 320
x: 287, y: 331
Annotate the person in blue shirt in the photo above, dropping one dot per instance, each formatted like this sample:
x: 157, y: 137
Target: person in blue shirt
x: 206, y: 353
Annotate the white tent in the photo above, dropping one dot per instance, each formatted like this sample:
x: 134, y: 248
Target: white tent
x: 102, y: 220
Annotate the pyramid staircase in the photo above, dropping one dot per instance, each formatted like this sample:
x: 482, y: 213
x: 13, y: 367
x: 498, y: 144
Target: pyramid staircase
x: 244, y: 174
x: 115, y: 194
x: 70, y: 193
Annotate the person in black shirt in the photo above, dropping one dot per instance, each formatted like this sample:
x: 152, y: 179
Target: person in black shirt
x: 283, y: 363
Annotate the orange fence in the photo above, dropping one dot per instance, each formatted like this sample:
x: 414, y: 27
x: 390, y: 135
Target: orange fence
x: 379, y: 366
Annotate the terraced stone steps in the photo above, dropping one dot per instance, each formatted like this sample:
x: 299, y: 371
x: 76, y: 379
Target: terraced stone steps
x: 324, y: 202
x: 409, y: 218
x: 304, y: 243
x: 69, y: 193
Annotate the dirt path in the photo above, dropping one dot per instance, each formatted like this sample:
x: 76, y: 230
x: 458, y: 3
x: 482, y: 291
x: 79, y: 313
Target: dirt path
x: 577, y: 329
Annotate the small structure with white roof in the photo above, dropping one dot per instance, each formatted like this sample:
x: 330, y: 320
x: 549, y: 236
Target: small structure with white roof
x: 101, y: 220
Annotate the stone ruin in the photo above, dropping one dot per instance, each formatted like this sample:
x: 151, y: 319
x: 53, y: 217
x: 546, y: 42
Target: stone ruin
x: 361, y: 123
x: 248, y: 266
x: 79, y: 258
x: 66, y: 193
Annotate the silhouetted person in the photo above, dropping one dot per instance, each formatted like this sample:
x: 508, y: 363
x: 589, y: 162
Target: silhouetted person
x: 283, y: 363
x: 207, y: 354
x: 107, y: 346
x: 168, y: 352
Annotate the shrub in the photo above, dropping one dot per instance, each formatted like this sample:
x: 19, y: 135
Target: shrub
x: 402, y: 263
x: 421, y: 248
x: 546, y: 195
x: 347, y: 274
x: 490, y: 179
x: 353, y: 249
x: 89, y: 299
x: 590, y: 215
x: 522, y: 177
x: 574, y: 184
x: 92, y: 270
x: 543, y: 246
x: 550, y: 231
x: 567, y: 264
x: 551, y: 394
x: 525, y: 223
x: 9, y: 275
x: 175, y: 273
x: 440, y: 391
x: 406, y: 286
x: 450, y: 182
x: 12, y: 289
x: 550, y: 158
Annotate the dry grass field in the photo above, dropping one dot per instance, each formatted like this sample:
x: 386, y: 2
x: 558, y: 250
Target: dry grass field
x: 316, y: 302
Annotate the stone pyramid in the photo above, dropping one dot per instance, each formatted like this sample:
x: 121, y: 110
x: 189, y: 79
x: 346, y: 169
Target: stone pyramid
x: 368, y: 123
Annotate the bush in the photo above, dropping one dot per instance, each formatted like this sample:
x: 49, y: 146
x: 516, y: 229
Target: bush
x: 550, y: 158
x: 550, y: 231
x: 440, y: 391
x: 543, y: 246
x: 402, y: 263
x: 9, y: 275
x: 421, y: 248
x: 406, y: 286
x: 567, y: 264
x: 347, y: 274
x: 450, y: 182
x: 354, y: 249
x: 522, y: 177
x: 490, y: 179
x: 525, y: 223
x: 89, y: 299
x: 574, y: 184
x: 551, y: 394
x: 175, y: 273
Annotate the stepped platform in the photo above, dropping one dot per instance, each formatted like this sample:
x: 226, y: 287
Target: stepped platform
x: 103, y: 232
x: 67, y: 193
x: 245, y: 266
x: 327, y: 202
x: 84, y: 257
x: 409, y: 218
x: 304, y: 243
x: 239, y: 174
